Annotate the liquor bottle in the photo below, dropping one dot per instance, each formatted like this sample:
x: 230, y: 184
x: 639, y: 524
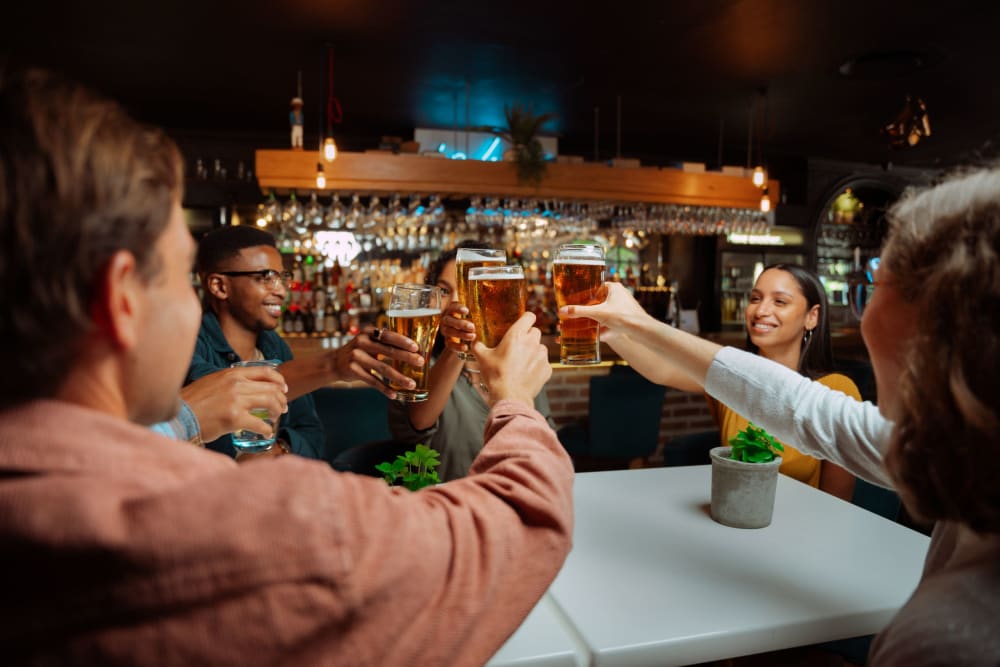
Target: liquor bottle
x: 308, y: 320
x: 288, y: 320
x: 330, y: 320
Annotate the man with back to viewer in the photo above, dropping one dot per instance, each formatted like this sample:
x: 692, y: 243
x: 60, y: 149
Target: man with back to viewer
x: 122, y: 546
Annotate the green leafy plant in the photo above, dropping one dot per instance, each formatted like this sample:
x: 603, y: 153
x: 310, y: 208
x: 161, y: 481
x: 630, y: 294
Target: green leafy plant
x: 413, y: 469
x: 754, y: 445
x: 521, y: 133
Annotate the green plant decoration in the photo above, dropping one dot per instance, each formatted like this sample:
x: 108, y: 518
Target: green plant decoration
x: 521, y: 133
x: 413, y: 469
x: 754, y: 445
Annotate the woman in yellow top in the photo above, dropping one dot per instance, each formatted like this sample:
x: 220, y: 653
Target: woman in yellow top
x: 787, y: 321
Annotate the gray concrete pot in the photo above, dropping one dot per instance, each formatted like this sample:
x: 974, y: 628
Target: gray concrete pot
x: 742, y: 493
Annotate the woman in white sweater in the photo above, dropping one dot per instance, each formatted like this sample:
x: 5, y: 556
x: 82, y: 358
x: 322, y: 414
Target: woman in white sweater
x: 931, y: 331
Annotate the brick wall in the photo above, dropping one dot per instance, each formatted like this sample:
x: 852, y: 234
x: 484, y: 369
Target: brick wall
x: 569, y: 391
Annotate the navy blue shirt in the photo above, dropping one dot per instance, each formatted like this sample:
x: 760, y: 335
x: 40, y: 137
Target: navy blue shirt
x: 300, y: 427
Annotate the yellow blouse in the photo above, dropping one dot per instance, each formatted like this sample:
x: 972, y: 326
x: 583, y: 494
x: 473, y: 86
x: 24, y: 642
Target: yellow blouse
x: 794, y: 463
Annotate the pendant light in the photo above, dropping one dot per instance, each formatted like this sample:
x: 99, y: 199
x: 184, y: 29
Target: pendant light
x: 334, y: 112
x: 765, y: 202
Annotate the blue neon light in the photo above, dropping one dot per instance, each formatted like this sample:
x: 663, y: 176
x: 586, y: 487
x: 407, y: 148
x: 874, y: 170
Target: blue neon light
x: 492, y: 147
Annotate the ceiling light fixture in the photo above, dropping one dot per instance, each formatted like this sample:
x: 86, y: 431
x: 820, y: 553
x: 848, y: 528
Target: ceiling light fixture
x: 320, y: 177
x: 759, y: 174
x: 909, y: 126
x: 334, y: 112
x: 329, y: 149
x: 765, y: 202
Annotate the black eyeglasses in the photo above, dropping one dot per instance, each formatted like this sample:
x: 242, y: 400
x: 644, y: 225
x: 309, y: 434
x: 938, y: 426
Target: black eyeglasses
x: 268, y: 276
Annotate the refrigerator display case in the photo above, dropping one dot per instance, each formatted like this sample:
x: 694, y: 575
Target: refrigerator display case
x: 849, y: 235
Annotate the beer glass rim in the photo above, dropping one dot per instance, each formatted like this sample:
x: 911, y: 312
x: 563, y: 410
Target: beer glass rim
x: 592, y: 248
x: 415, y: 287
x: 492, y: 253
x: 505, y: 268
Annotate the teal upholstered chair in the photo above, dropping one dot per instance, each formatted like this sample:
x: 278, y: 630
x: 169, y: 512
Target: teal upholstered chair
x: 623, y: 423
x: 351, y: 416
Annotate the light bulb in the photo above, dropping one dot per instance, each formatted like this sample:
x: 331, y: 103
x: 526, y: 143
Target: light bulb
x: 320, y: 177
x: 329, y: 150
x: 765, y: 202
x: 758, y: 176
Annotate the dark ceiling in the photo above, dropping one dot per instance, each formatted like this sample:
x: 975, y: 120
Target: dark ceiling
x: 687, y: 73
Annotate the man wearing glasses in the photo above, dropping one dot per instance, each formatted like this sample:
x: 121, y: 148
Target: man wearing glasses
x: 244, y: 286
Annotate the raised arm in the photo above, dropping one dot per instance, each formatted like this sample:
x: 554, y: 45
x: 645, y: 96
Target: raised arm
x: 352, y: 362
x: 659, y: 352
x: 820, y: 421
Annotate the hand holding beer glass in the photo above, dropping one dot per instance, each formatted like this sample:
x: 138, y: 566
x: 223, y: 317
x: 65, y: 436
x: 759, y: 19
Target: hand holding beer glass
x: 467, y: 259
x: 415, y: 312
x: 497, y: 297
x: 578, y: 275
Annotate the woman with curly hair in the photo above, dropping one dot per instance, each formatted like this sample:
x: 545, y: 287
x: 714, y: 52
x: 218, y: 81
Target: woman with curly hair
x: 931, y: 331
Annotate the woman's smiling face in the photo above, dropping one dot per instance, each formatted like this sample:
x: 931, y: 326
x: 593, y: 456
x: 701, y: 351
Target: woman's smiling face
x: 778, y: 313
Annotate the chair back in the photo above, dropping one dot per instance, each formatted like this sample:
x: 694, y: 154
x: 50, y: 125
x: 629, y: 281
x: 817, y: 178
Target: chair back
x: 625, y: 411
x: 351, y: 416
x: 362, y: 459
x: 691, y: 449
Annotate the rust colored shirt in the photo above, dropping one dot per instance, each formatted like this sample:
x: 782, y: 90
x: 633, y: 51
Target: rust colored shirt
x: 121, y: 546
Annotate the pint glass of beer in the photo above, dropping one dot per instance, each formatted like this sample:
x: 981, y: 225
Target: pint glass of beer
x: 578, y: 274
x: 497, y: 296
x: 415, y: 312
x: 467, y: 259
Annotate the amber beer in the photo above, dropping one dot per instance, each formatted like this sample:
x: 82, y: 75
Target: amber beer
x: 415, y: 312
x: 497, y: 297
x: 578, y: 274
x: 467, y: 259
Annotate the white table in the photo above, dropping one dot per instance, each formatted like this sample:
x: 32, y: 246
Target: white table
x: 653, y: 580
x: 543, y: 640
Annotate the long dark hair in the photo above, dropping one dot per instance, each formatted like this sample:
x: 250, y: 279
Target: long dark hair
x: 816, y: 356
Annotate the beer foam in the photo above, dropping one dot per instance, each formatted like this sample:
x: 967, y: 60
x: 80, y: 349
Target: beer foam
x: 585, y: 261
x: 415, y: 312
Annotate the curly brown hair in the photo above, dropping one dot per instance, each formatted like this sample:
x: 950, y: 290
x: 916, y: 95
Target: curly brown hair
x: 942, y: 254
x: 79, y: 181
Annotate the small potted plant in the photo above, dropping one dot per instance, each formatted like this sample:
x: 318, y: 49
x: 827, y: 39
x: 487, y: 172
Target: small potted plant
x: 413, y: 469
x: 744, y: 479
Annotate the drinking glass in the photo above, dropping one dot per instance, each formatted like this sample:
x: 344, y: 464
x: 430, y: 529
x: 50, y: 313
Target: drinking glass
x: 415, y: 312
x: 497, y: 297
x: 248, y: 441
x: 469, y: 258
x: 578, y: 275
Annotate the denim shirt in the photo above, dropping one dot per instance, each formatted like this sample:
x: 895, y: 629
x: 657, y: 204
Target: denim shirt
x: 300, y: 427
x: 182, y: 427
